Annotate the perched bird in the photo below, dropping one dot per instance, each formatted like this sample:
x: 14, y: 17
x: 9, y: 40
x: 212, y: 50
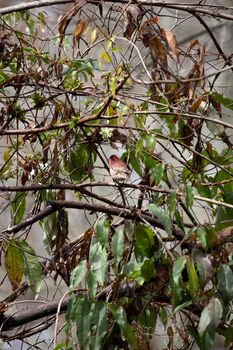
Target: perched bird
x: 119, y: 170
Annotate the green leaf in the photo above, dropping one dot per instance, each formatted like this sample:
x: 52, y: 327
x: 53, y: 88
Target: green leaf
x: 14, y: 264
x: 49, y: 226
x: 78, y: 274
x: 18, y: 207
x: 201, y: 233
x: 183, y: 306
x: 207, y: 339
x: 98, y: 260
x: 32, y: 267
x: 225, y: 101
x: 92, y: 284
x: 102, y: 231
x: 84, y: 313
x: 150, y: 141
x: 126, y: 329
x: 79, y: 161
x: 192, y: 278
x: 204, y: 191
x: 60, y: 346
x: 148, y: 269
x: 148, y: 318
x: 177, y: 269
x: 163, y: 315
x: 225, y: 282
x: 144, y: 240
x: 211, y: 315
x: 139, y: 146
x: 112, y: 85
x: 162, y: 216
x: 134, y: 161
x: 118, y: 244
x: 179, y: 220
x: 157, y: 173
x: 99, y: 328
x: 171, y: 202
x: 189, y: 195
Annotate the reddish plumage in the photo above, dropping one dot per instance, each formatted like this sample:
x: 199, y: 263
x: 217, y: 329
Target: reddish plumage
x: 119, y: 170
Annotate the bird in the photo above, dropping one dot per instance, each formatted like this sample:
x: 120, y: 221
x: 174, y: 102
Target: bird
x: 118, y: 169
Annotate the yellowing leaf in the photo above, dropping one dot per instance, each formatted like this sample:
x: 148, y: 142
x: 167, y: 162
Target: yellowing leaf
x: 93, y: 36
x: 112, y: 86
x: 105, y: 56
x: 14, y: 264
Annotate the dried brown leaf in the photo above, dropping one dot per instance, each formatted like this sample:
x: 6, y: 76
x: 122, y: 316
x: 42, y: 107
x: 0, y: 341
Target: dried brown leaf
x: 187, y: 135
x: 158, y: 53
x: 201, y: 67
x: 155, y: 88
x: 193, y: 74
x: 225, y: 235
x: 196, y: 104
x: 64, y: 20
x: 81, y: 25
x: 132, y: 16
x: 216, y: 105
x: 192, y: 45
x: 170, y: 39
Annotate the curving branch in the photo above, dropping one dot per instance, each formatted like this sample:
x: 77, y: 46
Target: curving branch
x: 127, y: 213
x: 31, y: 314
x: 208, y: 10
